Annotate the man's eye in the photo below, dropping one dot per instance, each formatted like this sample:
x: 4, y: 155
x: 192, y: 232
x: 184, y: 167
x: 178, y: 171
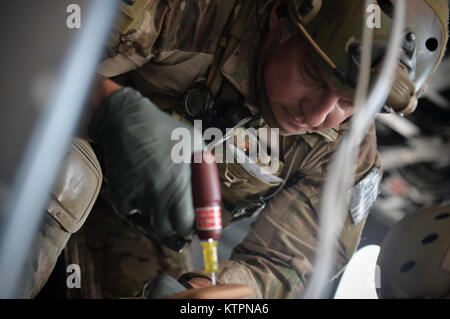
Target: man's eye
x: 312, y: 78
x: 346, y: 103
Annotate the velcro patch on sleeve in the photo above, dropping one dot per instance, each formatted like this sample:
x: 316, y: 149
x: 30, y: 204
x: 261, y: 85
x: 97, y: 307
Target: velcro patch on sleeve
x: 364, y: 194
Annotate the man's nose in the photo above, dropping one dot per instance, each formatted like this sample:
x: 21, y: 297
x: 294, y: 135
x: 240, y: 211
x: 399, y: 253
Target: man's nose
x: 317, y: 113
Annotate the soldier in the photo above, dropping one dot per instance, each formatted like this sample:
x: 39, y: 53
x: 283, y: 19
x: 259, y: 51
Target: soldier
x: 286, y: 64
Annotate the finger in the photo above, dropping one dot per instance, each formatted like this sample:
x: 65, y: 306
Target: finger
x: 182, y: 214
x: 162, y: 223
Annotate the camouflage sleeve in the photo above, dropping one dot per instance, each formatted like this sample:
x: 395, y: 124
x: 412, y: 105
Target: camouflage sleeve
x: 148, y: 27
x: 276, y: 256
x: 133, y: 36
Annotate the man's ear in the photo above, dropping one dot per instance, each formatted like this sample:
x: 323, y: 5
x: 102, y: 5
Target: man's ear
x: 279, y: 11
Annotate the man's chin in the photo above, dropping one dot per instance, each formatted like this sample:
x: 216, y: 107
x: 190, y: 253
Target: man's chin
x: 283, y: 118
x: 290, y: 129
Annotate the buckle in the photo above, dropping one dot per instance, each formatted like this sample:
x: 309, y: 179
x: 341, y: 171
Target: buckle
x: 249, y: 210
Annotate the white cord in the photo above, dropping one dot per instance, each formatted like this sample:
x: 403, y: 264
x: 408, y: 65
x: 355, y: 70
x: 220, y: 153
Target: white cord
x: 334, y: 208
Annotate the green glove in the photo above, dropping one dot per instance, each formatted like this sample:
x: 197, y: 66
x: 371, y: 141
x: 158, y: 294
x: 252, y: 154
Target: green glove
x: 145, y: 184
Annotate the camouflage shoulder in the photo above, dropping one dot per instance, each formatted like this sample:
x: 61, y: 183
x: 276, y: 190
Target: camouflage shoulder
x: 149, y: 26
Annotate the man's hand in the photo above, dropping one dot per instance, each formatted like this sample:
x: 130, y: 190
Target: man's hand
x: 146, y: 186
x: 200, y: 282
x: 165, y: 286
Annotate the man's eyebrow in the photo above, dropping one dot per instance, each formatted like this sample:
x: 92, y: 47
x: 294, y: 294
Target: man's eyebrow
x: 311, y: 69
x: 321, y: 76
x: 348, y: 101
x: 314, y: 71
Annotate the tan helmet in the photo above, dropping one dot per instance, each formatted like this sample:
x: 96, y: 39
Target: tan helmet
x: 414, y: 259
x: 334, y: 30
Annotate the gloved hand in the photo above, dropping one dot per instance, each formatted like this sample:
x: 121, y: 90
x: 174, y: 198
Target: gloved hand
x: 163, y: 287
x: 145, y: 184
x: 196, y: 287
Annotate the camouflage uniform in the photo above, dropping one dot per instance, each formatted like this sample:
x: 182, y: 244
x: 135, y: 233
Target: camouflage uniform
x: 166, y: 46
x: 163, y: 47
x: 117, y: 260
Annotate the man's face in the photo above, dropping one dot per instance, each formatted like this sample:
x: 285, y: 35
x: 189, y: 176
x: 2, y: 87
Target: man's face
x: 300, y: 96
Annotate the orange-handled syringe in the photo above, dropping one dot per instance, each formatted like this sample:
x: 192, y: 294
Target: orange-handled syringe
x: 207, y: 198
